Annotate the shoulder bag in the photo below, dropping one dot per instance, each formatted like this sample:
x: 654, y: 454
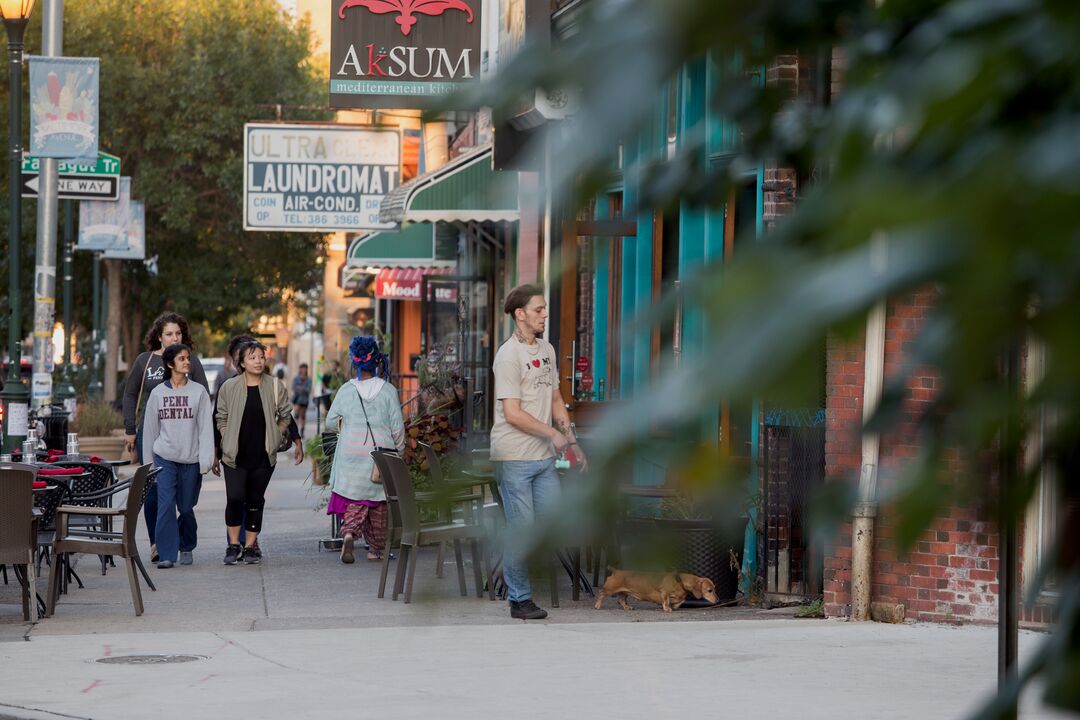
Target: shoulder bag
x: 376, y: 476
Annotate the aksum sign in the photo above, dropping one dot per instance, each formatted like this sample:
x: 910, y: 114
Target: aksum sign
x: 396, y: 53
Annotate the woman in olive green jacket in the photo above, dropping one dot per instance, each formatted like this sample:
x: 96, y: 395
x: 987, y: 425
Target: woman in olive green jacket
x: 253, y: 413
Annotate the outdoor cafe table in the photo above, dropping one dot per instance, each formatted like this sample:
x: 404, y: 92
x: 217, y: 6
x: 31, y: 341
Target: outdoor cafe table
x: 486, y: 476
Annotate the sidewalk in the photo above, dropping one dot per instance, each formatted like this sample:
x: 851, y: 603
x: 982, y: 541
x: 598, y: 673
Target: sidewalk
x: 303, y: 634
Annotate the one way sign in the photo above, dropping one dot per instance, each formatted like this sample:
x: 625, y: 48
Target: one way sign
x: 77, y: 187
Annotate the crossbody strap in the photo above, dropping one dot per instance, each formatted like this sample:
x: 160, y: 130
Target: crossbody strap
x: 138, y: 400
x: 366, y: 421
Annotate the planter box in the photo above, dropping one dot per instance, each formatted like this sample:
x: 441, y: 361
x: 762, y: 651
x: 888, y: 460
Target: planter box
x: 107, y: 447
x: 698, y: 547
x: 704, y: 549
x: 317, y: 476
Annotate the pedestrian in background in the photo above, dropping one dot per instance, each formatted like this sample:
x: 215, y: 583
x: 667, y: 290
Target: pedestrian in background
x: 178, y: 435
x: 301, y: 396
x: 147, y: 372
x: 253, y: 414
x: 366, y: 415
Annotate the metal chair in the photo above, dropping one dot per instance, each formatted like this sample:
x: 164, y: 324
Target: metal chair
x: 18, y: 531
x: 411, y: 533
x: 122, y: 544
x: 85, y: 490
x: 449, y: 495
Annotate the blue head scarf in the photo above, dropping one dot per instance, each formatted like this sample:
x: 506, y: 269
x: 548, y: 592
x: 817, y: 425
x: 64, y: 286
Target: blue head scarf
x: 366, y: 356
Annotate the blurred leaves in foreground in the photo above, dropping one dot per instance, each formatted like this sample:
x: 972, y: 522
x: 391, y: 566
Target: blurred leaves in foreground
x: 949, y: 160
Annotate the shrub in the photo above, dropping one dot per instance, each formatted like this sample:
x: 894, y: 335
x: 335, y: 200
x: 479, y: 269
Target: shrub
x: 97, y: 419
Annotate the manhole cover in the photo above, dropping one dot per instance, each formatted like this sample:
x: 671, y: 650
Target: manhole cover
x: 149, y: 659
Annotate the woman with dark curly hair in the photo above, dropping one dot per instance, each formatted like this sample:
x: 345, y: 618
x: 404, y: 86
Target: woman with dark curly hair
x: 147, y: 372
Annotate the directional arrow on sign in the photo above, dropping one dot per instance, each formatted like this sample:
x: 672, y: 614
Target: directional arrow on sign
x: 76, y: 187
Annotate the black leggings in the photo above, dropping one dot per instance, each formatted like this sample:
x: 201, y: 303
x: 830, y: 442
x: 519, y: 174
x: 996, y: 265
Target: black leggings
x: 245, y: 493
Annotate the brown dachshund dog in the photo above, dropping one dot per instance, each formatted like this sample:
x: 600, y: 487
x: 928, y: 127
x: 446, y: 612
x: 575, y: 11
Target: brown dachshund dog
x: 668, y: 590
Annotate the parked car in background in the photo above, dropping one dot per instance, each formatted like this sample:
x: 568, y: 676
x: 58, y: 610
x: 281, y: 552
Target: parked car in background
x: 213, y: 367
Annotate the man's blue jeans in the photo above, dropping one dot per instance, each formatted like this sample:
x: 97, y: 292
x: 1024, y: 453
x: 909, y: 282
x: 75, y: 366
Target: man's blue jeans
x: 530, y: 490
x: 178, y: 486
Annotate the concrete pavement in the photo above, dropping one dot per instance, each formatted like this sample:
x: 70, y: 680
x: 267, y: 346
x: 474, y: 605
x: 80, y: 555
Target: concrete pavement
x: 303, y: 634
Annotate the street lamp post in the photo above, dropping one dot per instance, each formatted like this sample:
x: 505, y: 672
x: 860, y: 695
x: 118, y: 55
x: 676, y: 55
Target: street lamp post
x: 15, y: 14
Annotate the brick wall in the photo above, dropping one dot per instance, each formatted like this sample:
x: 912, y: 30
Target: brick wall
x: 781, y: 184
x: 950, y: 574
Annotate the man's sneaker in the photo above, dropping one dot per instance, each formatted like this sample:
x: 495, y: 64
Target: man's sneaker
x: 526, y: 610
x: 165, y: 564
x: 232, y: 554
x: 185, y: 557
x: 154, y: 557
x: 252, y: 555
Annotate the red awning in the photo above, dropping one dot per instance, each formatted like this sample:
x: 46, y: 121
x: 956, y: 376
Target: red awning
x: 404, y: 283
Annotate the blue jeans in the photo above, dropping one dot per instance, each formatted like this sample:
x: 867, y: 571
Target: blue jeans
x: 178, y: 486
x: 530, y: 489
x: 150, y: 505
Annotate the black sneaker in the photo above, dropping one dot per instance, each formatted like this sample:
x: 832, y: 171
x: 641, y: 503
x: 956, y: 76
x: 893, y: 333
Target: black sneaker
x: 232, y: 554
x: 252, y: 555
x: 526, y: 610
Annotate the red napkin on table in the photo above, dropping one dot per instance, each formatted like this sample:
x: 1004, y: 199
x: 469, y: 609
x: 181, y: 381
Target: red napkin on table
x: 59, y: 471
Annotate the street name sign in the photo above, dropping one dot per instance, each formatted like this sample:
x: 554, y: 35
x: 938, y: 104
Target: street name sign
x: 78, y: 180
x: 308, y: 178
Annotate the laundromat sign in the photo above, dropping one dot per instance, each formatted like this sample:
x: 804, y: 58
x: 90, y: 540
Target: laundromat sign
x: 399, y: 53
x: 308, y: 178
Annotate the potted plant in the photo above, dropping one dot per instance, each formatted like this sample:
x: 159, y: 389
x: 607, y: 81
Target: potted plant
x: 101, y: 430
x: 703, y: 541
x: 442, y: 386
x: 320, y: 462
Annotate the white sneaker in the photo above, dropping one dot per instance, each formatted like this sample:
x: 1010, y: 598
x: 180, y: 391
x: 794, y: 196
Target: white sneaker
x: 185, y: 557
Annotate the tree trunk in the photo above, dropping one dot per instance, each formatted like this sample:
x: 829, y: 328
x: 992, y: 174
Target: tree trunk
x: 112, y: 326
x: 133, y: 343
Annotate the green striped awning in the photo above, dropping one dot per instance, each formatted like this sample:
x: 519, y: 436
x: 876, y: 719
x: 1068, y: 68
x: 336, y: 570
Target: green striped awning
x: 416, y: 245
x: 466, y: 190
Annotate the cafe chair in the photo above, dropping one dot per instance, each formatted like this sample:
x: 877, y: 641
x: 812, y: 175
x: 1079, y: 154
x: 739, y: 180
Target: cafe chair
x: 18, y: 530
x: 450, y: 495
x: 94, y: 541
x: 50, y: 494
x: 86, y: 489
x: 407, y: 530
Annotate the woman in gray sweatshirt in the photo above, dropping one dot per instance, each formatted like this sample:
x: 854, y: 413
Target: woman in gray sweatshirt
x: 178, y: 433
x: 146, y: 374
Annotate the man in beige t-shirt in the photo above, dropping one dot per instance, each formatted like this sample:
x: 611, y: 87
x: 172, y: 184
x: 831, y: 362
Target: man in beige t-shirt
x: 524, y: 442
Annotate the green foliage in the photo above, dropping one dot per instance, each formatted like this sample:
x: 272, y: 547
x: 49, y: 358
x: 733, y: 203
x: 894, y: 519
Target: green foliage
x: 97, y: 419
x: 815, y: 609
x: 947, y: 162
x: 313, y: 451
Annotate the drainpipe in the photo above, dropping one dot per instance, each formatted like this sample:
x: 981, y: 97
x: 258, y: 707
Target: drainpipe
x: 862, y: 534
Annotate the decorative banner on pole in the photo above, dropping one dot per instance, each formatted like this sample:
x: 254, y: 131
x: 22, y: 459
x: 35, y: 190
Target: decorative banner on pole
x: 399, y: 53
x: 103, y: 224
x: 306, y: 178
x: 136, y: 236
x: 64, y: 107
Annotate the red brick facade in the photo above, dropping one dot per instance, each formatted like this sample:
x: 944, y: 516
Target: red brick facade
x: 951, y: 572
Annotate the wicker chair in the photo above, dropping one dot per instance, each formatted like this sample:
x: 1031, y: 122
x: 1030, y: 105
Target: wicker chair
x: 86, y: 490
x: 100, y: 542
x: 18, y: 531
